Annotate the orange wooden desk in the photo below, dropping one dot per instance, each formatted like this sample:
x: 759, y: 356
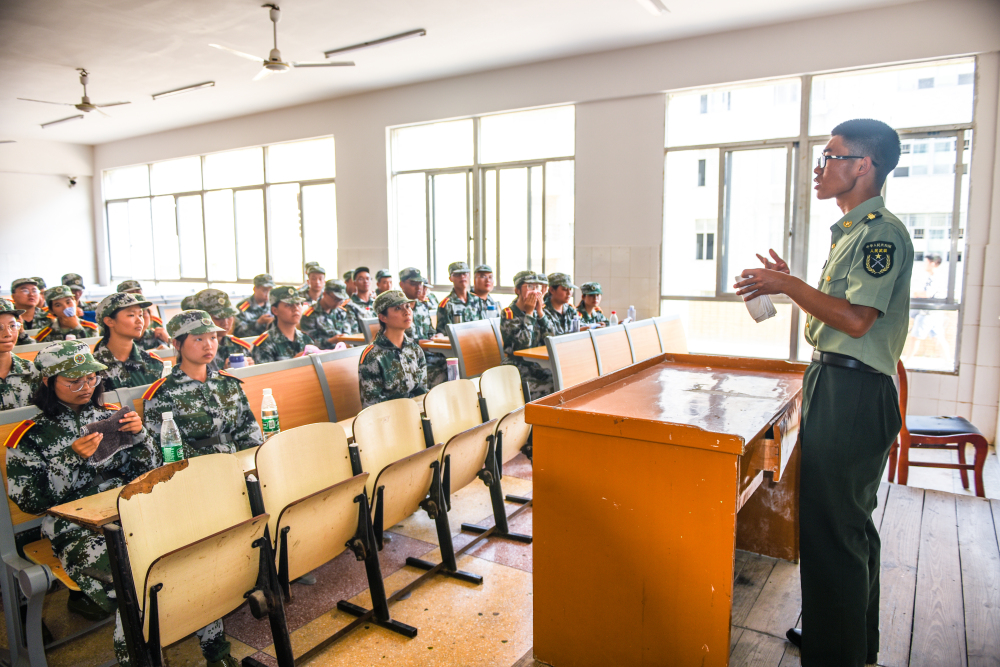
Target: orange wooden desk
x: 638, y: 478
x: 351, y: 339
x: 437, y: 344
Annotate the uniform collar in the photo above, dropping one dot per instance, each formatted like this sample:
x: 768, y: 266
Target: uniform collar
x: 856, y: 215
x: 19, y: 366
x: 180, y: 377
x: 382, y: 341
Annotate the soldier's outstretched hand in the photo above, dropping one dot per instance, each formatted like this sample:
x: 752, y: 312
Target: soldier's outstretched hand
x: 777, y: 265
x: 87, y: 445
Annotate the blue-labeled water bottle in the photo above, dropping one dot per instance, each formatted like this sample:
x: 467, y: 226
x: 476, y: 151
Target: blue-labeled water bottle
x: 492, y: 311
x: 170, y: 439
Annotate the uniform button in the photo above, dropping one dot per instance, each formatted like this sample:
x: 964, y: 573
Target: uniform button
x: 828, y: 279
x: 833, y: 246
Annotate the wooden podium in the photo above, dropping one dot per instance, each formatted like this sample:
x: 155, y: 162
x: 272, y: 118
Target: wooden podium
x: 645, y: 481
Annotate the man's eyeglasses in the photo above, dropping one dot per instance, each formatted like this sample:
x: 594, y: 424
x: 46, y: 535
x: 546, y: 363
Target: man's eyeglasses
x: 12, y: 328
x: 821, y: 160
x: 77, y: 385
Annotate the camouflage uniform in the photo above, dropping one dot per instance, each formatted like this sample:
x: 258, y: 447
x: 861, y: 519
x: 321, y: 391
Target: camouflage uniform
x: 54, y: 332
x: 321, y: 325
x: 437, y: 363
x: 561, y: 322
x: 250, y: 311
x: 521, y: 331
x: 386, y: 372
x: 365, y: 308
x: 382, y: 273
x: 216, y: 304
x: 7, y: 306
x: 311, y: 267
x: 20, y: 384
x: 140, y: 368
x: 273, y: 346
x: 75, y: 281
x: 597, y: 317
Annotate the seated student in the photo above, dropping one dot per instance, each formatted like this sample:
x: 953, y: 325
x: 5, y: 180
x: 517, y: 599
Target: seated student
x: 383, y: 281
x: 523, y: 325
x: 483, y: 283
x: 28, y: 299
x: 282, y: 340
x: 363, y: 300
x: 348, y: 278
x: 590, y: 305
x: 41, y: 288
x: 18, y: 377
x: 216, y: 303
x: 560, y: 304
x: 459, y: 305
x: 122, y: 325
x: 427, y: 296
x: 75, y: 282
x: 64, y: 317
x: 393, y: 366
x: 313, y: 289
x: 255, y: 310
x: 328, y: 318
x: 154, y: 334
x: 414, y: 286
x: 49, y: 464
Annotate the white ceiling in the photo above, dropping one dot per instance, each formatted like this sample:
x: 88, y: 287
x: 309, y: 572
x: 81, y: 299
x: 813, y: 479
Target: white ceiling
x: 134, y: 48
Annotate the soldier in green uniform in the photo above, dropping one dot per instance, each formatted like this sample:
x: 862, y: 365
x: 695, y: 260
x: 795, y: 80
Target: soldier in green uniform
x: 363, y: 300
x: 18, y: 378
x: 121, y: 326
x: 328, y: 318
x: 51, y: 461
x: 524, y: 324
x: 216, y: 303
x: 383, y: 281
x: 20, y: 335
x: 282, y: 340
x: 458, y: 306
x: 27, y: 298
x: 560, y: 304
x: 590, y: 305
x: 483, y: 283
x: 42, y: 306
x: 393, y: 366
x: 429, y: 297
x: 316, y: 278
x: 413, y: 285
x: 349, y: 282
x: 75, y: 282
x: 64, y: 318
x: 255, y: 310
x: 154, y: 333
x: 857, y: 321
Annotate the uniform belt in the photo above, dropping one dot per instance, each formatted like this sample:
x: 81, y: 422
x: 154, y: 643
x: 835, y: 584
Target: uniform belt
x: 223, y: 439
x: 842, y: 360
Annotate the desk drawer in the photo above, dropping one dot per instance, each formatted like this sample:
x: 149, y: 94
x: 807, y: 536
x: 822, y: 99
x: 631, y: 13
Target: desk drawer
x: 779, y: 441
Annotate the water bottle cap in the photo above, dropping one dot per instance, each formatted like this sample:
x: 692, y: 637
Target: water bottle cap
x: 168, y: 415
x: 452, y: 361
x: 267, y: 391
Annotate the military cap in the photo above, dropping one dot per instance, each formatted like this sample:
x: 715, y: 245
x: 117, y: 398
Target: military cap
x: 314, y: 267
x: 7, y: 306
x: 69, y: 358
x: 40, y: 281
x: 57, y: 292
x: 73, y: 280
x: 383, y: 273
x: 286, y: 294
x: 112, y: 303
x: 348, y: 275
x: 528, y: 278
x: 411, y: 273
x: 22, y: 281
x: 191, y: 322
x: 187, y: 303
x: 336, y: 287
x: 215, y: 302
x: 560, y: 280
x: 458, y: 267
x: 388, y: 299
x: 128, y: 286
x: 263, y: 280
x: 484, y: 268
x: 358, y: 270
x: 589, y: 289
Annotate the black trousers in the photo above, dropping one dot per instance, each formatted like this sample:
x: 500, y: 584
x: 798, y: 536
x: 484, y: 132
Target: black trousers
x: 849, y: 420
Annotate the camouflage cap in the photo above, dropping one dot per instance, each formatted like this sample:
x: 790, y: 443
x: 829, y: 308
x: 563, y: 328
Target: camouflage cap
x: 484, y: 268
x: 528, y: 278
x: 69, y: 358
x: 383, y: 273
x: 411, y: 273
x: 360, y: 269
x: 40, y: 281
x: 112, y: 303
x: 57, y: 292
x: 263, y: 280
x: 191, y: 322
x: 286, y: 294
x: 187, y: 303
x: 73, y: 280
x: 560, y: 280
x: 348, y: 275
x: 388, y: 299
x: 457, y: 267
x: 314, y: 267
x: 22, y: 281
x: 589, y: 289
x: 7, y: 306
x: 129, y: 286
x: 336, y: 287
x: 215, y: 302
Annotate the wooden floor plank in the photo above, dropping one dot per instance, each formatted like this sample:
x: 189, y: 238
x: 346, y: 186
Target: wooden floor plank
x: 977, y: 540
x: 780, y: 601
x: 938, y: 616
x: 755, y: 649
x: 900, y: 533
x: 995, y: 504
x: 739, y: 560
x: 883, y: 493
x: 792, y: 657
x: 734, y: 637
x: 748, y: 585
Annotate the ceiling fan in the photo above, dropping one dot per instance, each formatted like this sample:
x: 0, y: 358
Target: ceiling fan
x: 273, y: 64
x: 84, y: 105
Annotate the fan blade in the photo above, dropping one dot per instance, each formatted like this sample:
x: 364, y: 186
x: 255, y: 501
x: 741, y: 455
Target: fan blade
x: 106, y: 115
x: 238, y: 53
x: 65, y: 104
x: 112, y: 104
x: 263, y: 74
x: 346, y: 63
x: 61, y: 120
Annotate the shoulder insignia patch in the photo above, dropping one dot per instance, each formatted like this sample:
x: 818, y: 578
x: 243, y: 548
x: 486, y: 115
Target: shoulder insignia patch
x: 43, y: 334
x: 243, y: 306
x: 508, y: 314
x: 154, y: 318
x: 309, y: 312
x: 18, y: 433
x: 153, y: 354
x: 112, y: 406
x: 879, y: 257
x: 260, y: 339
x: 365, y: 353
x: 872, y: 216
x: 598, y: 309
x: 443, y: 302
x: 153, y: 388
x: 87, y: 324
x: 242, y: 343
x: 229, y: 375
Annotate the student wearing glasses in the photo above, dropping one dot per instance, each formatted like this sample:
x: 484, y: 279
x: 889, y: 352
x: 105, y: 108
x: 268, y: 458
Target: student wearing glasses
x: 27, y: 297
x: 393, y: 366
x: 857, y: 321
x: 18, y: 377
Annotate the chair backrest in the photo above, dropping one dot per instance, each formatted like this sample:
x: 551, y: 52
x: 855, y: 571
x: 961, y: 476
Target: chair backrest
x: 29, y: 351
x: 466, y: 454
x: 671, y: 333
x: 477, y: 345
x: 613, y: 349
x: 299, y: 462
x: 573, y: 359
x: 9, y: 420
x: 452, y: 407
x: 500, y: 387
x: 904, y: 392
x: 341, y: 370
x: 514, y: 433
x: 407, y: 482
x: 167, y: 353
x: 644, y: 340
x: 295, y: 387
x: 387, y: 432
x: 369, y: 327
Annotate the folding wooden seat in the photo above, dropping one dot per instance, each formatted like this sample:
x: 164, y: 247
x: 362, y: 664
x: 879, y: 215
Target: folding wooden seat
x: 477, y: 345
x: 503, y: 400
x: 670, y: 331
x: 573, y: 359
x: 643, y: 339
x: 613, y: 349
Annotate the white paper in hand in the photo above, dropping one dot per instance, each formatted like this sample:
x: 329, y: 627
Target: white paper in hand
x: 760, y: 308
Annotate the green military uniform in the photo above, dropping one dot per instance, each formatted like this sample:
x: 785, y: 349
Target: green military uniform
x: 322, y: 324
x: 423, y: 329
x: 22, y: 379
x: 54, y: 331
x: 597, y: 317
x: 39, y: 319
x: 6, y: 305
x: 140, y: 367
x: 250, y: 311
x: 433, y: 300
x: 364, y: 308
x: 382, y: 273
x: 149, y: 341
x: 311, y: 267
x: 562, y: 322
x: 850, y: 417
x: 520, y: 331
x: 216, y: 303
x: 387, y: 372
x: 452, y: 308
x: 75, y: 282
x: 272, y: 345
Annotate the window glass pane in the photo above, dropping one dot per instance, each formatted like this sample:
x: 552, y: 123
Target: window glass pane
x: 220, y: 233
x: 963, y: 217
x: 301, y: 161
x: 176, y: 176
x: 165, y: 246
x: 823, y: 214
x: 930, y: 342
x: 527, y: 135
x: 735, y: 113
x: 234, y: 168
x: 906, y: 96
x: 284, y: 238
x: 512, y: 228
x: 192, y: 236
x: 126, y: 182
x: 691, y: 212
x: 119, y: 243
x: 251, y: 251
x: 141, y: 237
x: 433, y: 146
x: 536, y: 228
x: 450, y: 222
x: 319, y: 224
x: 411, y: 221
x: 489, y: 194
x: 725, y: 327
x: 559, y: 211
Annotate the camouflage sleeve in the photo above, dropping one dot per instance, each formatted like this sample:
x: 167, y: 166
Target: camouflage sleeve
x: 242, y: 328
x: 370, y: 379
x: 247, y: 433
x: 28, y: 482
x: 308, y: 339
x: 144, y: 455
x: 443, y: 319
x: 544, y: 327
x: 263, y: 353
x: 421, y: 387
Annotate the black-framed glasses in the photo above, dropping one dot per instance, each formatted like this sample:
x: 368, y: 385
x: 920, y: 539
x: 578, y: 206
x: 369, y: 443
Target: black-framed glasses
x: 821, y: 160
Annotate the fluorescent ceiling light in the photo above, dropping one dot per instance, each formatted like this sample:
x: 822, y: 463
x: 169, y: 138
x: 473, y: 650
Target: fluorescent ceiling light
x: 7, y: 141
x: 654, y: 7
x: 61, y: 120
x: 377, y: 42
x: 186, y: 89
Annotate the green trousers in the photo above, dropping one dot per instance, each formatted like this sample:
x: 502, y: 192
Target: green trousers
x: 849, y: 420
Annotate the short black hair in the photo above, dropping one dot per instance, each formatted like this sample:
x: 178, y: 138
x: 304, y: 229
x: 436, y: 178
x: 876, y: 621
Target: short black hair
x: 46, y: 401
x: 874, y: 139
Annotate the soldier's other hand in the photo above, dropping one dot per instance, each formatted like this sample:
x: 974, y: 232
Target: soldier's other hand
x: 758, y: 282
x: 438, y: 336
x: 265, y: 319
x: 777, y: 265
x: 87, y: 445
x: 161, y: 334
x: 131, y: 423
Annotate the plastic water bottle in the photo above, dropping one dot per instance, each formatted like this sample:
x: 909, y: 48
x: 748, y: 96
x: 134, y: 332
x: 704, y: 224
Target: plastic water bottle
x: 613, y: 320
x: 631, y: 313
x: 575, y: 326
x: 452, y: 368
x: 269, y: 416
x: 491, y: 311
x: 170, y: 439
x: 167, y: 368
x: 69, y: 336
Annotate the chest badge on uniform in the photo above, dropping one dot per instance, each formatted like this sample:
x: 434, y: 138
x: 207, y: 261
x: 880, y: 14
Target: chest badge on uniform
x: 879, y: 257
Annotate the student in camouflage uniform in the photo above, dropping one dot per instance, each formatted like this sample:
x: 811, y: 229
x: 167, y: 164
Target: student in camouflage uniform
x: 122, y: 325
x: 316, y: 277
x: 64, y: 318
x: 349, y: 282
x: 75, y: 282
x: 328, y: 317
x: 22, y: 338
x: 154, y: 334
x: 483, y: 284
x: 255, y: 310
x: 523, y: 325
x: 18, y: 377
x: 590, y: 305
x: 363, y: 300
x: 458, y: 306
x: 383, y: 281
x: 28, y: 299
x: 282, y: 340
x: 42, y: 306
x: 48, y: 464
x: 393, y: 366
x: 216, y: 303
x: 427, y: 296
x: 413, y: 284
x: 560, y: 305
